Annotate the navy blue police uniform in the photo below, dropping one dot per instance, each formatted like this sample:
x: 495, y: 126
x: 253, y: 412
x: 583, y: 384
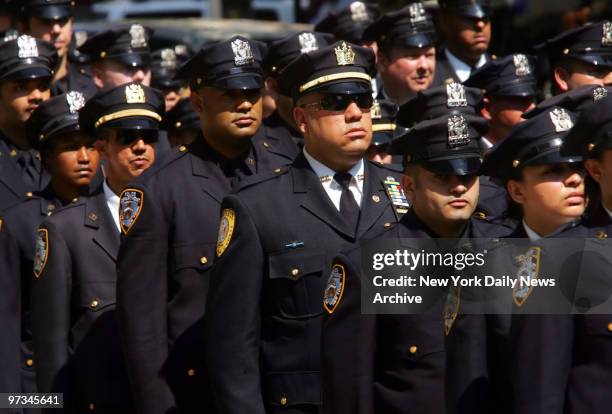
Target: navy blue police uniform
x: 161, y: 299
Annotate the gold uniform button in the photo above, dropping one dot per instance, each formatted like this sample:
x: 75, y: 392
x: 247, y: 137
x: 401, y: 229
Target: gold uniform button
x: 74, y: 200
x: 29, y: 362
x: 94, y: 304
x: 92, y: 407
x: 265, y: 144
x: 413, y: 349
x: 295, y: 271
x: 610, y: 327
x: 182, y: 148
x: 376, y: 198
x: 178, y: 124
x: 277, y: 171
x: 387, y: 225
x: 601, y: 235
x: 283, y: 400
x: 29, y: 194
x: 190, y: 372
x: 203, y: 260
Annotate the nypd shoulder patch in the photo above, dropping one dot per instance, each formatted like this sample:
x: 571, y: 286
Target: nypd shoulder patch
x: 451, y: 308
x: 334, y: 289
x: 42, y: 251
x: 226, y: 229
x: 394, y: 190
x: 528, y: 270
x: 130, y: 206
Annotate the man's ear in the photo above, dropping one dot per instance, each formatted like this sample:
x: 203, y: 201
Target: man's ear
x: 516, y: 191
x: 196, y: 101
x: 593, y: 167
x: 299, y: 114
x: 561, y: 77
x: 96, y: 74
x: 485, y: 110
x: 408, y: 184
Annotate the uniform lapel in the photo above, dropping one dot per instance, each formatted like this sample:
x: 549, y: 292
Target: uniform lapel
x: 314, y: 199
x: 214, y: 183
x: 374, y: 201
x: 11, y: 177
x: 99, y: 218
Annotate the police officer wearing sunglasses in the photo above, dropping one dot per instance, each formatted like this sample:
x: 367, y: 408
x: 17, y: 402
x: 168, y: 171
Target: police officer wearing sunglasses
x: 287, y: 226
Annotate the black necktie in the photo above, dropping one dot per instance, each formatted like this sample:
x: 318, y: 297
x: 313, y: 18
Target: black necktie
x: 349, y: 209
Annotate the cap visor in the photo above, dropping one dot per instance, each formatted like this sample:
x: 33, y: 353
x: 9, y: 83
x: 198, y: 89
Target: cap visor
x: 139, y: 123
x: 381, y: 138
x: 134, y: 59
x: 418, y: 40
x: 29, y: 72
x: 554, y: 157
x: 519, y: 90
x: 600, y: 60
x: 344, y: 87
x: 475, y: 11
x: 244, y: 82
x: 457, y: 166
x: 52, y: 12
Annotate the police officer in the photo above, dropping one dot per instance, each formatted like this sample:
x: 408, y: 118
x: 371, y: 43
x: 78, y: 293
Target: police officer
x: 120, y: 55
x: 280, y: 123
x: 389, y: 353
x: 182, y: 123
x: 163, y: 68
x: 161, y: 300
x: 510, y: 89
x: 406, y: 58
x: 465, y: 28
x: 10, y: 317
x: 72, y: 163
x: 270, y: 361
x: 581, y: 56
x: 76, y: 252
x: 25, y: 75
x: 384, y: 129
x: 51, y: 21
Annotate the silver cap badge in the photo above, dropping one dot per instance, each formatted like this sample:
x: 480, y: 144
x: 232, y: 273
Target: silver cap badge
x: 344, y: 54
x: 27, y: 47
x: 417, y: 13
x: 308, y: 42
x: 376, y: 112
x: 521, y: 65
x: 138, y: 35
x: 561, y: 120
x: 455, y: 95
x: 75, y: 101
x: 458, y: 132
x: 168, y: 59
x: 134, y: 94
x: 242, y: 52
x: 359, y: 12
x: 599, y: 93
x: 606, y: 37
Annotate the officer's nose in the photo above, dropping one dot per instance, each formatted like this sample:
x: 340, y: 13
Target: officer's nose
x: 138, y: 75
x: 480, y: 24
x: 83, y: 155
x: 574, y: 179
x: 423, y: 63
x: 353, y: 113
x: 56, y: 28
x: 35, y: 95
x: 139, y: 145
x: 457, y: 185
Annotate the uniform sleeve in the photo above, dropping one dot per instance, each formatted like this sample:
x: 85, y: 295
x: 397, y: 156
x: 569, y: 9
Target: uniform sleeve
x: 51, y: 292
x: 348, y: 344
x: 233, y: 320
x: 10, y: 295
x: 542, y: 359
x: 142, y: 302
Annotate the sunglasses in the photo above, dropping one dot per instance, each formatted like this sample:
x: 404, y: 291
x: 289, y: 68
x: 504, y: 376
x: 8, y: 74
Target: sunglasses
x: 339, y: 102
x: 128, y: 137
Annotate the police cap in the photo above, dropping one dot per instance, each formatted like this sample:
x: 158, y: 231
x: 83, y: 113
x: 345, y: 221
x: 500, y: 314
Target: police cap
x: 341, y: 68
x: 350, y: 22
x: 25, y: 57
x: 129, y: 106
x: 478, y: 9
x: 574, y: 101
x: 182, y: 117
x: 384, y: 128
x: 512, y: 76
x: 284, y: 51
x: 128, y: 44
x: 49, y: 9
x: 536, y: 141
x: 593, y: 131
x: 409, y: 27
x: 232, y: 64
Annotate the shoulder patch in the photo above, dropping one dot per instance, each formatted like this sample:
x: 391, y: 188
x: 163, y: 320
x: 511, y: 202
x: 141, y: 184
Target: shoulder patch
x: 451, y: 308
x: 528, y: 269
x: 226, y: 229
x: 334, y: 289
x: 130, y: 206
x: 42, y: 251
x: 394, y: 190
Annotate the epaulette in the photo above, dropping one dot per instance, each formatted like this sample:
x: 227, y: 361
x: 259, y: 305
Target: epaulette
x: 259, y: 178
x: 76, y: 202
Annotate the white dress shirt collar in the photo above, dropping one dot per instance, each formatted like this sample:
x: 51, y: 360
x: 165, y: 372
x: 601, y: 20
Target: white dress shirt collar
x: 462, y: 69
x: 112, y: 201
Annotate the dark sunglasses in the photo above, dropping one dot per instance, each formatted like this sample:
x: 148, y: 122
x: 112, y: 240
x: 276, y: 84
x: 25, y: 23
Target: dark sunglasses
x: 339, y: 102
x: 129, y: 136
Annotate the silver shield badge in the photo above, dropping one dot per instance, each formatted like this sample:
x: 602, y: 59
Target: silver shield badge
x: 242, y: 52
x: 308, y: 42
x: 75, y: 101
x: 455, y: 95
x: 168, y: 59
x: 561, y: 120
x: 138, y: 35
x: 27, y: 47
x: 344, y: 54
x: 606, y: 37
x: 458, y: 132
x: 599, y: 93
x: 359, y: 12
x: 521, y: 65
x: 134, y: 94
x: 417, y: 13
x: 376, y: 112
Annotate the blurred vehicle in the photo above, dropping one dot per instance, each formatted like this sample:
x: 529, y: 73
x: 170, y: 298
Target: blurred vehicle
x: 281, y: 10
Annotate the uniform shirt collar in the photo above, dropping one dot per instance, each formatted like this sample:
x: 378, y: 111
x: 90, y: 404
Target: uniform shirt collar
x: 533, y: 236
x: 112, y: 201
x: 462, y: 69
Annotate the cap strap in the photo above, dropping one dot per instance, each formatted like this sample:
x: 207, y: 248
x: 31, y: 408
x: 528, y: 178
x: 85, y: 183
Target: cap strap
x: 127, y: 113
x: 333, y: 77
x: 383, y: 127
